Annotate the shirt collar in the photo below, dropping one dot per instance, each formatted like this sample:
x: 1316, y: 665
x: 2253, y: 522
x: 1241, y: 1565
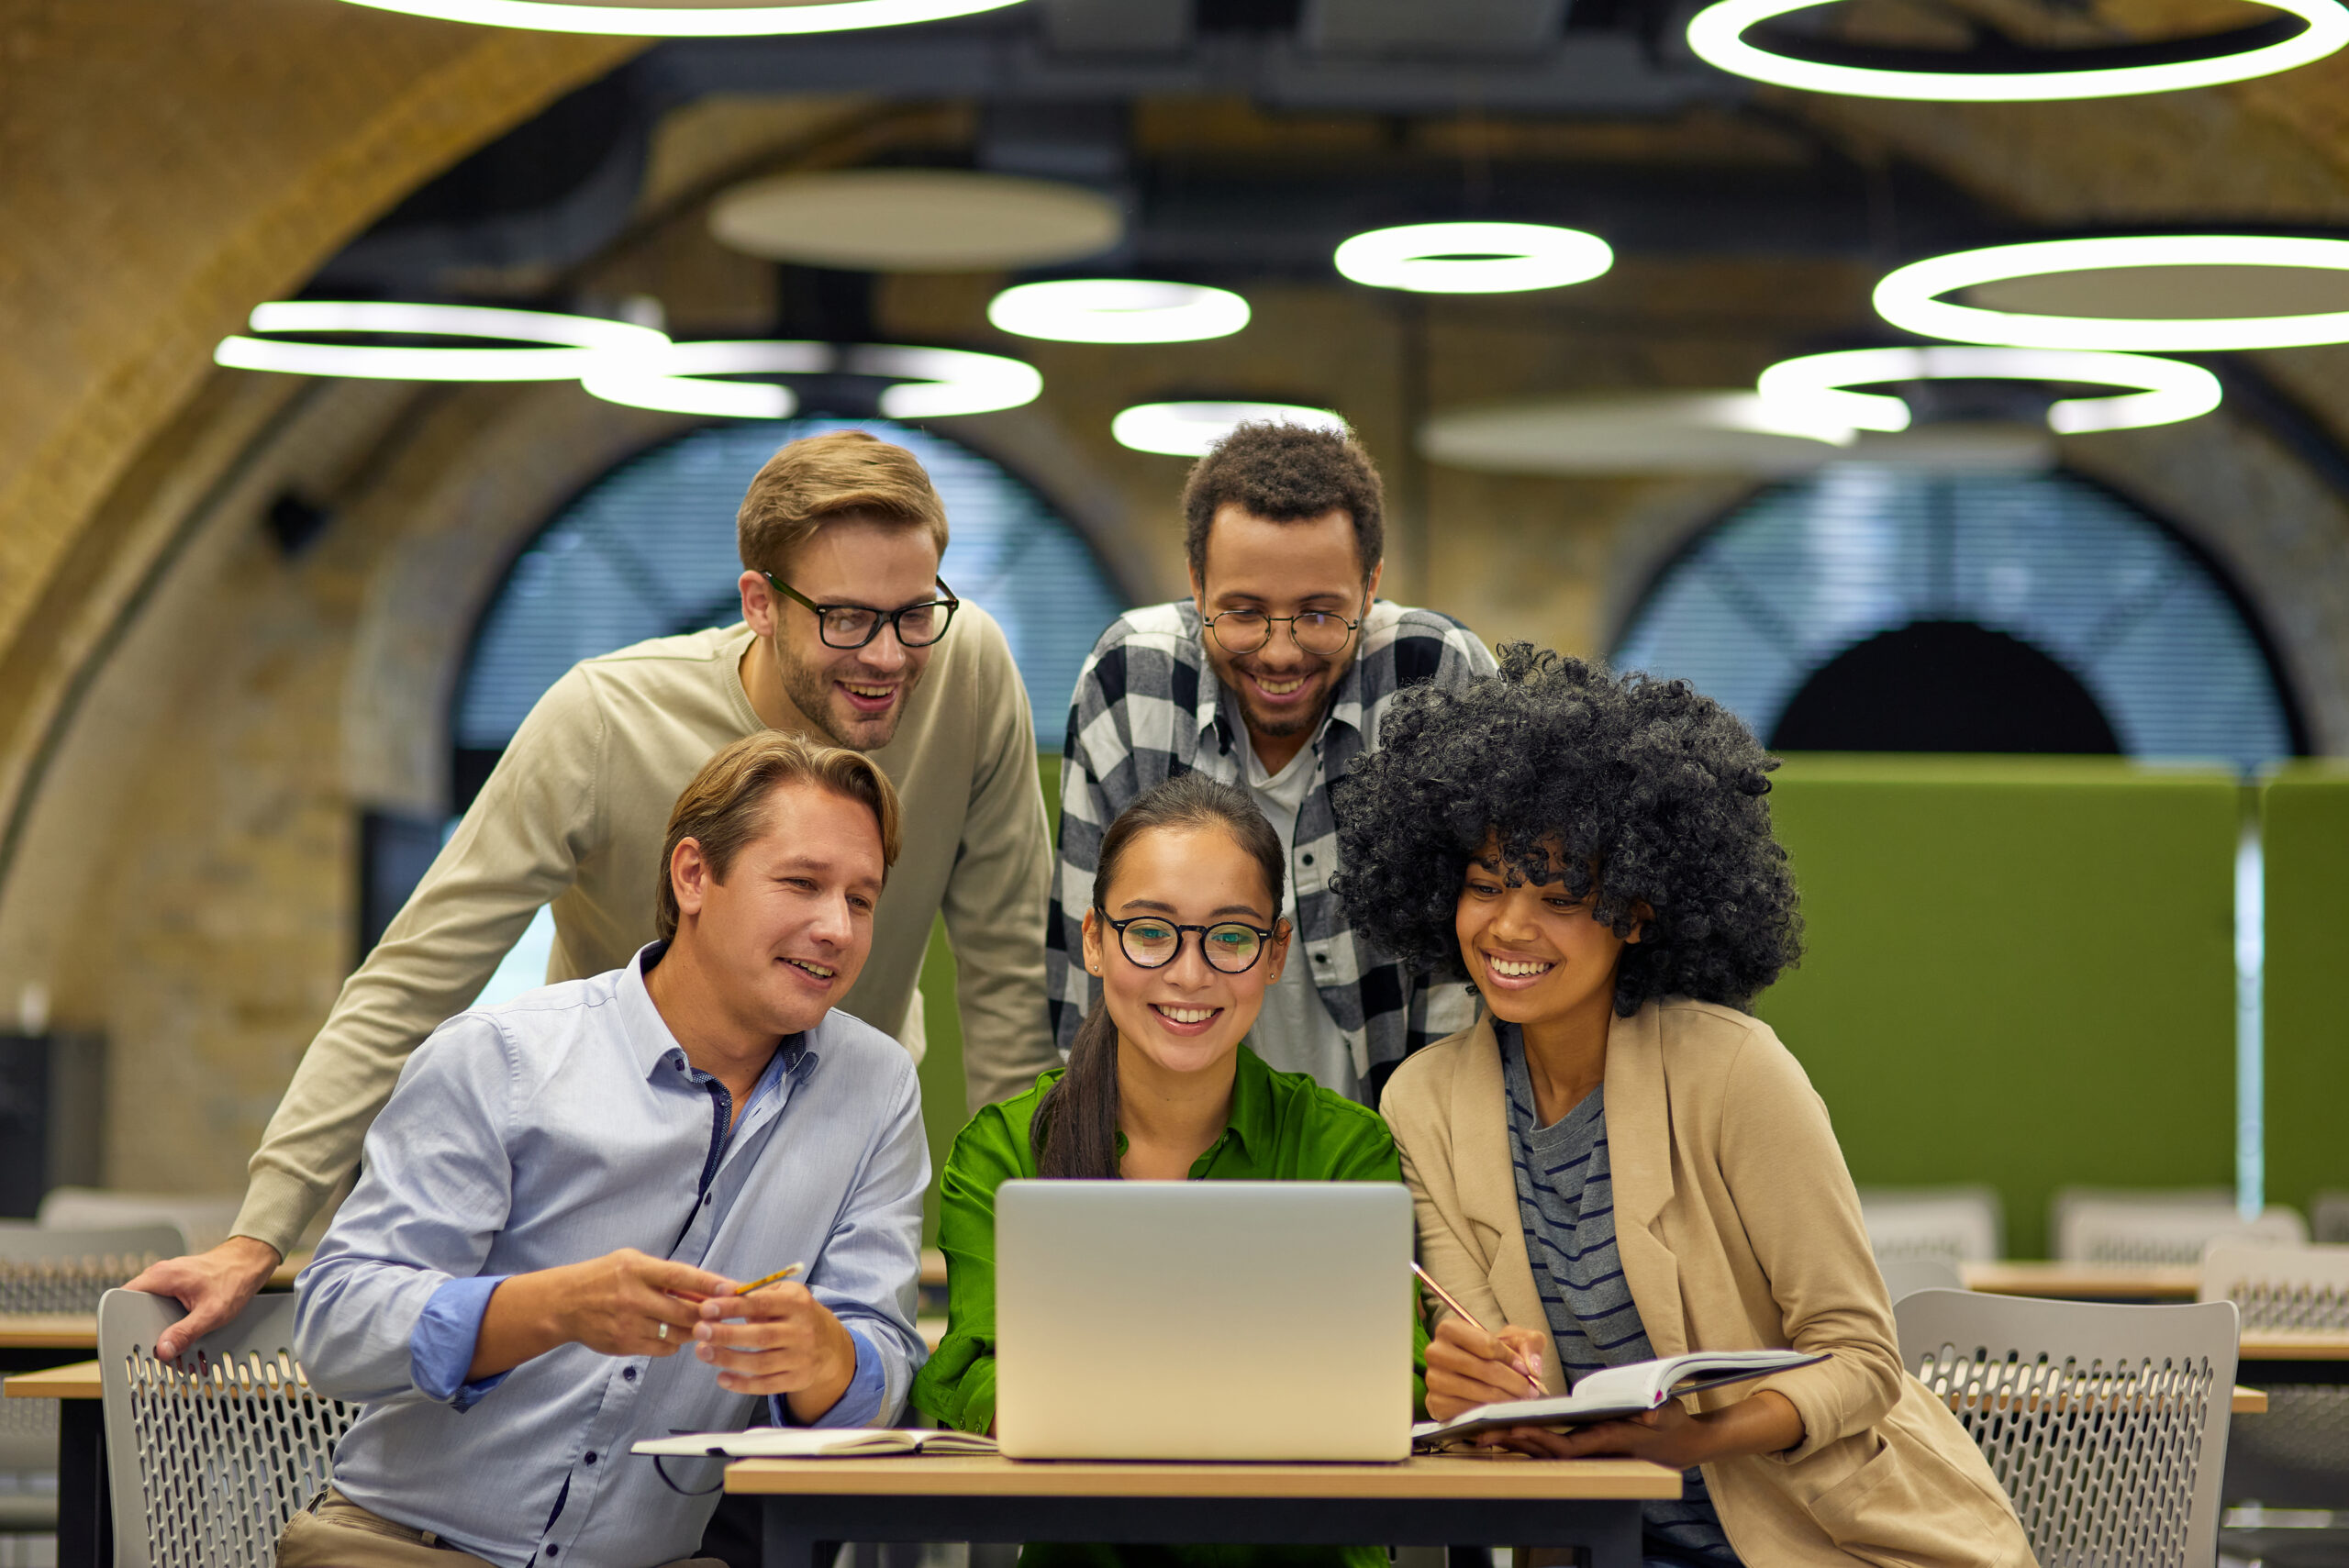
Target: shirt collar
x: 1251, y: 1121
x: 648, y: 1031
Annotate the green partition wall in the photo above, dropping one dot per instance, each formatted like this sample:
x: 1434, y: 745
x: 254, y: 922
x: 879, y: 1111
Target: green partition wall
x: 2020, y: 970
x: 2305, y: 828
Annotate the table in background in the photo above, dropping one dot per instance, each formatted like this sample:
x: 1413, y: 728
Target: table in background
x: 2293, y: 1355
x: 1593, y: 1504
x: 31, y: 1340
x: 2085, y: 1282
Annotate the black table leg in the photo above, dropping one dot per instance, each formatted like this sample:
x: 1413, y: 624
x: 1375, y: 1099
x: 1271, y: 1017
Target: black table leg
x: 85, y: 1506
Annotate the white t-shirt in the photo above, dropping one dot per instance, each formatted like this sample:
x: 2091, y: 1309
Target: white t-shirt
x: 1294, y: 1033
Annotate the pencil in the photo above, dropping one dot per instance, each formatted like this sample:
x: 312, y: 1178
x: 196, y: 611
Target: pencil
x: 1446, y: 1297
x: 781, y: 1273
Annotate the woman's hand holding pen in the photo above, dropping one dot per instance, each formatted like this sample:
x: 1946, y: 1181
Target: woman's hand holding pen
x: 1467, y: 1366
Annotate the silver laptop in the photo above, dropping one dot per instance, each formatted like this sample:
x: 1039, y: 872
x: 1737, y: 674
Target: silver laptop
x: 1203, y: 1321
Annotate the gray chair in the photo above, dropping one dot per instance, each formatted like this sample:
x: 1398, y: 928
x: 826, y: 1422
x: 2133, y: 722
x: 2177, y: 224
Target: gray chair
x: 2328, y: 1216
x: 57, y: 1271
x: 1955, y: 1225
x: 2296, y: 1455
x: 211, y: 1456
x: 203, y: 1221
x: 1905, y: 1276
x: 2158, y: 1226
x: 2107, y: 1424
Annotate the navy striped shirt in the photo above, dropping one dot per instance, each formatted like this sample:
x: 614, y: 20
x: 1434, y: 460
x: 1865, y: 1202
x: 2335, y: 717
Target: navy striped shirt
x: 1566, y: 1198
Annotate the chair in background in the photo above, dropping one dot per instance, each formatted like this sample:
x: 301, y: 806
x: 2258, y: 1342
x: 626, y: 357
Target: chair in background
x: 2329, y: 1218
x: 2107, y: 1424
x: 2296, y: 1455
x: 204, y: 1221
x: 2152, y: 1227
x: 1906, y: 1277
x: 1954, y: 1224
x: 64, y: 1272
x: 210, y: 1455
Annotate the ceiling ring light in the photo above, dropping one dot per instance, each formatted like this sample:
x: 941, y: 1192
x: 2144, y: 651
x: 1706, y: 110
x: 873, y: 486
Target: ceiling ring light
x: 1190, y: 429
x: 687, y: 21
x: 2169, y: 390
x: 1118, y: 311
x: 1474, y: 257
x: 1716, y: 35
x: 930, y: 383
x: 578, y: 343
x: 1911, y: 298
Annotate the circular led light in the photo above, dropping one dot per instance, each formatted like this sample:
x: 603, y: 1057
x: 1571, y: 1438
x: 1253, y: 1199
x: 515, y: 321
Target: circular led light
x: 687, y: 21
x: 1189, y: 429
x: 1819, y: 383
x: 1118, y: 311
x: 586, y: 341
x: 1474, y: 257
x: 1716, y: 35
x: 931, y: 383
x: 1910, y: 297
x: 915, y: 220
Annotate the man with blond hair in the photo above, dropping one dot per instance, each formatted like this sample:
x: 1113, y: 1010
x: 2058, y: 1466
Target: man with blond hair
x: 847, y: 636
x: 567, y: 1190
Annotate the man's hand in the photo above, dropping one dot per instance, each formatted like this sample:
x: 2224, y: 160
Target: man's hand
x: 1467, y: 1367
x: 214, y: 1287
x: 616, y: 1305
x: 778, y: 1341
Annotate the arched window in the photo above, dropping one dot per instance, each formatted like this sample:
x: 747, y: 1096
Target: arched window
x: 1873, y: 608
x: 648, y: 550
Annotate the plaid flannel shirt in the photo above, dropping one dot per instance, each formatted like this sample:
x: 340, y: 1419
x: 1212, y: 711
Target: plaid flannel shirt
x: 1148, y: 707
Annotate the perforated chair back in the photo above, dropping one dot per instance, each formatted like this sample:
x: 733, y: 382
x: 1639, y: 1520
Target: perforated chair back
x: 1953, y: 1224
x: 204, y: 1221
x: 2093, y: 1226
x: 2296, y: 1455
x: 2107, y: 1424
x: 66, y: 1270
x: 212, y: 1454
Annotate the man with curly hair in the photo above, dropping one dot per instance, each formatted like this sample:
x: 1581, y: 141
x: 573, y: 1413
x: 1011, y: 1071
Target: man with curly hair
x: 1617, y: 1163
x: 1275, y: 676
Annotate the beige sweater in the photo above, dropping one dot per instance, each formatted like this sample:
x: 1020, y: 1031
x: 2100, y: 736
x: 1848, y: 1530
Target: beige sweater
x: 1738, y: 1229
x: 575, y: 815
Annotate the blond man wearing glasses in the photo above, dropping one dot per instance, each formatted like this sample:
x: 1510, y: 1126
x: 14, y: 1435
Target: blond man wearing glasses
x: 1273, y: 676
x: 848, y: 637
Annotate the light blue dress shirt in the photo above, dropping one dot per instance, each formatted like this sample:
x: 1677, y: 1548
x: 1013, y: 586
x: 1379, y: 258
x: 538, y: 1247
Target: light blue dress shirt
x: 558, y: 1128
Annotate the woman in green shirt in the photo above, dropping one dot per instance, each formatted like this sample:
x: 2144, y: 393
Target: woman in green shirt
x: 1186, y: 935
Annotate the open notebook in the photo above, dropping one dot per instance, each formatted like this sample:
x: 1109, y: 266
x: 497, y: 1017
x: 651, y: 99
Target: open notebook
x: 1615, y: 1393
x: 813, y: 1442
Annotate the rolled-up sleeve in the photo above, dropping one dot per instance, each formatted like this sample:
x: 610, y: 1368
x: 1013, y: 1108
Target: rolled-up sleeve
x: 870, y: 1264
x: 438, y: 1187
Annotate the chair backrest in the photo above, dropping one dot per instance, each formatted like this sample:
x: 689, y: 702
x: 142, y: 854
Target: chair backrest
x: 1906, y: 1277
x: 212, y: 1454
x: 67, y: 1270
x: 1954, y: 1224
x: 2328, y: 1216
x: 204, y: 1220
x: 2158, y: 1226
x: 2279, y: 1287
x: 2296, y: 1455
x: 2107, y: 1424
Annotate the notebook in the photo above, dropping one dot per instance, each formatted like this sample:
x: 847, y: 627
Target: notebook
x: 813, y: 1442
x: 1615, y: 1392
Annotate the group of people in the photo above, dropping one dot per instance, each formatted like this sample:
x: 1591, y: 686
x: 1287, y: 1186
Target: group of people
x: 1336, y: 897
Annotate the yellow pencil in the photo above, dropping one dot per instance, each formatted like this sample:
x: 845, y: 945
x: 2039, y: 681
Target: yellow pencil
x: 783, y: 1273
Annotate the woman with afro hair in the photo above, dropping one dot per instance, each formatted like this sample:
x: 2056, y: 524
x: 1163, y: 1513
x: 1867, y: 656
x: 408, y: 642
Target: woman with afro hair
x: 1617, y: 1161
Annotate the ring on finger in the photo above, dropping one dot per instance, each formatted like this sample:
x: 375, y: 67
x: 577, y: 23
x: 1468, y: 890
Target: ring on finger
x: 661, y: 1329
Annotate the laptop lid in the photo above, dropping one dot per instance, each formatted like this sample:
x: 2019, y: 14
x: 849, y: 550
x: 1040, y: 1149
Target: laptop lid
x: 1203, y: 1321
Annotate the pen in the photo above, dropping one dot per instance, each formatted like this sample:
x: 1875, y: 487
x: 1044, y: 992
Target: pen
x: 1446, y: 1296
x: 780, y: 1273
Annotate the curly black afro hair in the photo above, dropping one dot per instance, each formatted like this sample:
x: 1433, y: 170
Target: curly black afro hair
x: 1648, y: 789
x: 1288, y: 473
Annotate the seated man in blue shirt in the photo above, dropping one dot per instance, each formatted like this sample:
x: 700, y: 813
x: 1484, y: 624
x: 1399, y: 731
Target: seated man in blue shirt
x: 563, y: 1192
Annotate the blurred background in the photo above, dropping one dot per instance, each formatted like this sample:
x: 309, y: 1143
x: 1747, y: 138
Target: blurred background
x: 2058, y: 704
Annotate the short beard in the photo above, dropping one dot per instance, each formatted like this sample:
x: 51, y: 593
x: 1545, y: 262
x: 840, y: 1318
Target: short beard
x: 810, y: 691
x: 1301, y: 724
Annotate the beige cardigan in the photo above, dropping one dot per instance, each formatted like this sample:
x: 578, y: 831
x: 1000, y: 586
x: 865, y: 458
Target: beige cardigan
x: 1738, y: 1229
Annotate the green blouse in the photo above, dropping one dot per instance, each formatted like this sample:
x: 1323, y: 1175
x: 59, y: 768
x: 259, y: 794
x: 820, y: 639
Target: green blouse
x: 1284, y: 1128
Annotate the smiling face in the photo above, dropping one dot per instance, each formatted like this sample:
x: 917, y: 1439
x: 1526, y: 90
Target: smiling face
x: 784, y: 934
x: 1534, y: 950
x: 854, y: 698
x: 1187, y: 1016
x: 1281, y: 569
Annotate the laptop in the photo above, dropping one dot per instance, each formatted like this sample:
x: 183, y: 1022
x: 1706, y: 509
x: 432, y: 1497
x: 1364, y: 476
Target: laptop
x: 1224, y: 1320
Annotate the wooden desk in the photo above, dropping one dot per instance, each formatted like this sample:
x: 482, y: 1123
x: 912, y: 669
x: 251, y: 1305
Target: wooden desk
x: 48, y: 1331
x: 85, y: 1511
x: 1593, y: 1504
x: 2294, y: 1356
x: 2084, y: 1282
